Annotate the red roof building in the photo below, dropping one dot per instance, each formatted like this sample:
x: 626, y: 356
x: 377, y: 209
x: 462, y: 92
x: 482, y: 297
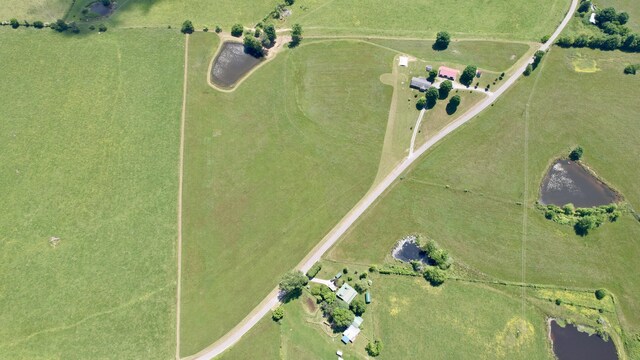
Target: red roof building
x: 447, y: 73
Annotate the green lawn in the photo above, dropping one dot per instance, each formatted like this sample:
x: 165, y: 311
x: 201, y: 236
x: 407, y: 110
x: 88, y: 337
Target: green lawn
x: 269, y: 169
x: 483, y: 226
x: 155, y: 13
x: 89, y: 155
x: 497, y: 19
x: 31, y: 10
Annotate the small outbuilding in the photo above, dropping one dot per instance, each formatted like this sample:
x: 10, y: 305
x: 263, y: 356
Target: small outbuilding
x: 421, y: 84
x: 367, y: 297
x: 447, y: 73
x: 346, y: 293
x: 403, y: 61
x: 429, y: 67
x: 350, y: 334
x: 338, y: 275
x: 592, y: 18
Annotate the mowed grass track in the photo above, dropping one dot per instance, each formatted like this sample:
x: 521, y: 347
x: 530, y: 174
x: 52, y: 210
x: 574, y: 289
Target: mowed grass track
x: 493, y: 19
x: 269, y: 169
x: 31, y: 10
x: 90, y: 132
x: 484, y: 226
x: 162, y: 13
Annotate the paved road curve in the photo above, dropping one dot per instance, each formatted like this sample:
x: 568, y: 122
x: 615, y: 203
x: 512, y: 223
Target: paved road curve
x: 334, y: 235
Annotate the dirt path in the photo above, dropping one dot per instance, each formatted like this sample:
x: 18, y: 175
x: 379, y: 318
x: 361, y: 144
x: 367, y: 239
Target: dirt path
x: 180, y: 183
x: 365, y: 203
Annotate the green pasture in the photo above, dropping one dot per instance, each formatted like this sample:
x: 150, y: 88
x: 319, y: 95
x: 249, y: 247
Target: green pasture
x: 469, y: 192
x: 501, y: 19
x: 269, y: 169
x: 89, y: 155
x: 32, y: 10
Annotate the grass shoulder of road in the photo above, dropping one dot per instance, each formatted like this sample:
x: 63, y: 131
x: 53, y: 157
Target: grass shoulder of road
x: 509, y: 20
x: 269, y: 169
x: 89, y: 155
x: 32, y: 10
x: 467, y: 193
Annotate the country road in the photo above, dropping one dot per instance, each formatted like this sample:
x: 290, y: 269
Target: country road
x: 348, y: 220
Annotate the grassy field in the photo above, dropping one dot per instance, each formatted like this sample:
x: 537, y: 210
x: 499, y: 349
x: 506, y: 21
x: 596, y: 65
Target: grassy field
x: 162, y: 13
x: 89, y: 155
x: 31, y: 10
x: 268, y: 173
x: 499, y: 159
x: 500, y: 19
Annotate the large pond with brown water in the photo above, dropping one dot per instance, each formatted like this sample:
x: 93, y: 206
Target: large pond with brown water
x: 569, y: 182
x: 571, y: 344
x: 231, y: 64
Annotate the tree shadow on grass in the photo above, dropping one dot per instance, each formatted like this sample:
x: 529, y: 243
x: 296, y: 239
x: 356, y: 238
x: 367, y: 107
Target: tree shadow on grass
x: 451, y: 109
x: 286, y: 297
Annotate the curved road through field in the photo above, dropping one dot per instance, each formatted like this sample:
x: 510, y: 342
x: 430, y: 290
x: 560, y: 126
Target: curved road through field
x: 334, y: 235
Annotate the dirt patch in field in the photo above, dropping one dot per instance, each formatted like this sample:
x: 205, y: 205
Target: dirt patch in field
x: 310, y: 305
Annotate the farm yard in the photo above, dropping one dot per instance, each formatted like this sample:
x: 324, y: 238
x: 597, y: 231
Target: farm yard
x: 148, y: 212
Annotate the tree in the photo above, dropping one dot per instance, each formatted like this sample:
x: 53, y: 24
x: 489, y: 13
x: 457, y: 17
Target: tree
x: 442, y: 40
x: 576, y: 154
x: 14, y: 23
x: 253, y: 47
x: 422, y: 103
x: 581, y: 41
x: 296, y: 35
x: 106, y: 3
x: 445, y: 88
x: 102, y: 27
x: 358, y: 306
x: 564, y: 41
x: 431, y: 97
x: 606, y: 15
x: 289, y: 2
x: 361, y: 286
x: 528, y: 70
x: 611, y: 42
x: 569, y: 209
x: 270, y: 33
x: 59, y: 26
x: 623, y: 18
x: 187, y: 27
x: 218, y: 29
x: 585, y: 224
x: 537, y: 57
x: 432, y: 76
x: 293, y: 281
x: 237, y: 30
x: 441, y: 258
x: 374, y: 348
x: 277, y: 314
x: 630, y: 70
x: 434, y: 275
x: 342, y: 317
x: 600, y: 294
x: 38, y: 24
x: 584, y: 6
x: 452, y: 106
x: 468, y: 75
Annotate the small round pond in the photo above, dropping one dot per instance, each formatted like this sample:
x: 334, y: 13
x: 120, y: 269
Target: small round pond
x: 100, y: 9
x: 569, y: 182
x: 571, y: 344
x: 407, y: 250
x: 231, y: 64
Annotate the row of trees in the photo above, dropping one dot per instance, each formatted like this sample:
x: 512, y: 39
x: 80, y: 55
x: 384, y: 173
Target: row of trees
x: 59, y: 25
x: 537, y: 58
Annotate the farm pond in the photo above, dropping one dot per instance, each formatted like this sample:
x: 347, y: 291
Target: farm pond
x: 407, y: 250
x: 100, y: 9
x: 231, y: 64
x: 569, y: 182
x: 571, y: 344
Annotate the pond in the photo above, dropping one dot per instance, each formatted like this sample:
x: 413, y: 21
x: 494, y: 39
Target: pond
x: 99, y: 8
x: 569, y: 182
x: 571, y: 344
x: 231, y: 64
x: 407, y: 249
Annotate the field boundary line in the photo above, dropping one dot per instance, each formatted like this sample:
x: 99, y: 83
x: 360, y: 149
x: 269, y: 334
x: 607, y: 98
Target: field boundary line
x: 180, y: 186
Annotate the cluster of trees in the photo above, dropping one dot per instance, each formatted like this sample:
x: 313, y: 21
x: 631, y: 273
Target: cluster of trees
x: 432, y: 95
x: 537, y: 57
x: 278, y: 10
x: 442, y: 41
x: 614, y: 34
x: 582, y: 219
x: 439, y: 256
x: 14, y: 23
x: 292, y: 283
x: 468, y: 75
x: 434, y: 275
x: 59, y: 25
x: 374, y: 348
x: 296, y: 35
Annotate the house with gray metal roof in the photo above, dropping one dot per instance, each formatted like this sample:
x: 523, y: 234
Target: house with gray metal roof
x: 421, y: 84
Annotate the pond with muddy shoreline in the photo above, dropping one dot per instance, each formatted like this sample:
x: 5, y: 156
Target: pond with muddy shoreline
x: 231, y: 64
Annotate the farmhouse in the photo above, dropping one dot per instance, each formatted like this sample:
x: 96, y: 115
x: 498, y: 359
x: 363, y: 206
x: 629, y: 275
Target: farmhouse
x: 346, y: 293
x: 421, y: 84
x: 447, y: 73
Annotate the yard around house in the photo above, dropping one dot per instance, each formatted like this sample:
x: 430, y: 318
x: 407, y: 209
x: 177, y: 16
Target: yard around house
x: 269, y: 169
x: 500, y: 19
x: 89, y: 155
x: 481, y: 167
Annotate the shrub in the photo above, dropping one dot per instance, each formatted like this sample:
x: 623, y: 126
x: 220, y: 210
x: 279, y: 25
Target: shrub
x: 374, y: 348
x: 569, y: 209
x: 630, y: 70
x: 528, y: 70
x: 38, y: 24
x: 314, y: 270
x: 102, y: 27
x: 59, y: 26
x: 584, y: 6
x: 205, y: 29
x: 252, y: 46
x: 277, y: 314
x: 237, y: 30
x: 187, y: 27
x: 363, y: 275
x: 14, y: 23
x: 345, y: 270
x: 289, y: 2
x: 435, y: 276
x: 585, y: 224
x: 358, y: 306
x: 558, y: 301
x: 564, y: 41
x: 576, y: 154
x: 544, y: 39
x: 296, y: 34
x: 361, y: 286
x: 218, y: 29
x: 600, y: 294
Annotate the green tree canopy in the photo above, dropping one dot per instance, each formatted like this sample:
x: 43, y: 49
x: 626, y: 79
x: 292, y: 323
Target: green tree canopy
x: 445, y: 88
x: 278, y: 313
x: 342, y: 317
x: 431, y: 97
x: 187, y: 27
x: 468, y: 75
x: 434, y: 275
x: 358, y: 306
x: 374, y: 348
x: 237, y: 30
x: 293, y: 280
x: 442, y: 40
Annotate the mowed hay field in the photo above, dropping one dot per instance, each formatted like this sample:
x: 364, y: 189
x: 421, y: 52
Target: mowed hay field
x: 162, y: 13
x: 494, y: 19
x: 493, y: 157
x: 31, y: 10
x: 269, y: 169
x: 90, y: 132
